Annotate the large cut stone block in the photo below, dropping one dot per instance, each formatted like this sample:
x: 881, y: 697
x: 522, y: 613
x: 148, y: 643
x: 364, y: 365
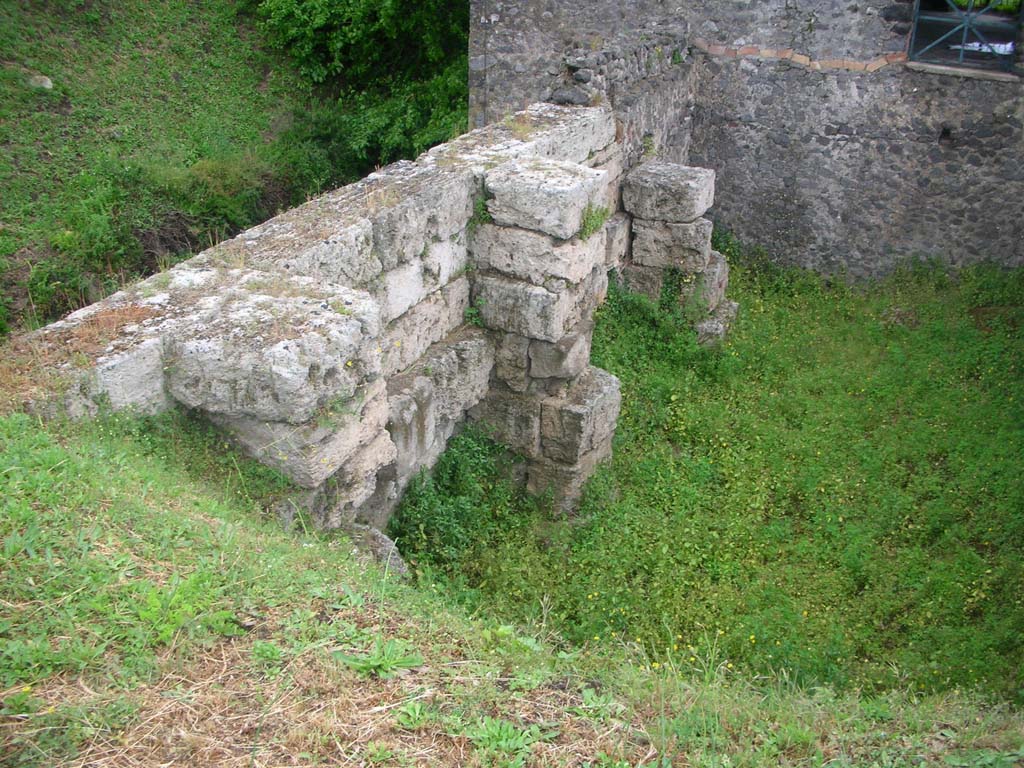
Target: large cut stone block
x: 310, y: 453
x: 546, y: 313
x: 513, y: 419
x: 512, y: 361
x: 714, y: 330
x: 647, y: 281
x: 583, y: 421
x: 572, y: 134
x: 269, y: 350
x: 716, y: 280
x: 408, y: 337
x: 427, y: 402
x: 534, y: 256
x: 564, y: 359
x: 563, y: 483
x: 619, y: 231
x: 663, y: 244
x: 545, y: 195
x: 668, y: 192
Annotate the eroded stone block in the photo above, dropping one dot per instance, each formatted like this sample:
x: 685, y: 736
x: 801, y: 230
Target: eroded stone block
x: 409, y: 336
x: 662, y: 244
x: 647, y: 281
x: 564, y: 359
x: 534, y: 256
x: 513, y: 419
x: 512, y: 361
x: 268, y: 350
x: 715, y: 280
x: 582, y: 422
x: 546, y: 313
x: 618, y: 237
x: 545, y: 195
x: 563, y: 483
x: 713, y: 331
x: 310, y: 453
x: 668, y: 192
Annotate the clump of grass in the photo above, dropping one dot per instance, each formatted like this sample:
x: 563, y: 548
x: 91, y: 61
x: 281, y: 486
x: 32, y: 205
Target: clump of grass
x: 594, y: 217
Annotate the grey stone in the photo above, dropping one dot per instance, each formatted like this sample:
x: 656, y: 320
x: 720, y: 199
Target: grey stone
x: 409, y: 336
x: 564, y: 359
x: 715, y: 280
x: 512, y: 419
x: 647, y: 281
x: 512, y: 361
x: 668, y: 192
x: 310, y: 453
x: 619, y: 229
x: 545, y: 313
x: 274, y: 357
x: 40, y: 81
x: 584, y: 420
x: 713, y: 330
x: 563, y: 483
x: 549, y: 196
x: 535, y: 257
x: 682, y: 246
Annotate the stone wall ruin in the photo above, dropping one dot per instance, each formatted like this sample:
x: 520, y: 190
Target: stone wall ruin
x: 345, y: 341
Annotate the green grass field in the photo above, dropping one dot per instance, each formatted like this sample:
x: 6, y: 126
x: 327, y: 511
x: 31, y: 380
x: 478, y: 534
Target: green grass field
x: 835, y: 494
x: 156, y: 139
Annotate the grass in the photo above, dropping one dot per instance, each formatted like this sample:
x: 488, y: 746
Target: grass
x: 153, y: 611
x: 157, y: 138
x: 834, y: 496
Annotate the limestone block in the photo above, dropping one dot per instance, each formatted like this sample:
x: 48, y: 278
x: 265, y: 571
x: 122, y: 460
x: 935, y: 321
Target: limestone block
x: 647, y: 281
x: 402, y: 289
x: 445, y: 260
x: 564, y: 359
x: 563, y: 483
x: 545, y: 195
x: 133, y: 379
x: 311, y: 240
x: 715, y: 280
x: 412, y: 206
x: 713, y: 331
x: 545, y: 313
x: 535, y: 257
x: 661, y: 244
x: 512, y: 361
x: 412, y: 423
x: 310, y: 453
x: 355, y: 483
x: 572, y: 135
x: 612, y: 161
x: 513, y: 419
x: 584, y: 420
x: 427, y: 402
x: 666, y: 191
x: 618, y: 236
x: 268, y: 350
x: 410, y: 335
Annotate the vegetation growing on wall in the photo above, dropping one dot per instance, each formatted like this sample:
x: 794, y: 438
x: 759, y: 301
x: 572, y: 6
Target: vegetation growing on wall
x: 835, y: 493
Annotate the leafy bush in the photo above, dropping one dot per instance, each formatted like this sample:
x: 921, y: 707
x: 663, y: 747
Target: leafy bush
x: 361, y: 44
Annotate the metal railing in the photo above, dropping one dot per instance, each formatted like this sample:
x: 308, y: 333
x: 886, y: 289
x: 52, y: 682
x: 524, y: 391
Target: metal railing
x: 977, y: 35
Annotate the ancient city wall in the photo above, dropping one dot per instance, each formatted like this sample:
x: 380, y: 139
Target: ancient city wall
x: 831, y: 151
x: 345, y: 341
